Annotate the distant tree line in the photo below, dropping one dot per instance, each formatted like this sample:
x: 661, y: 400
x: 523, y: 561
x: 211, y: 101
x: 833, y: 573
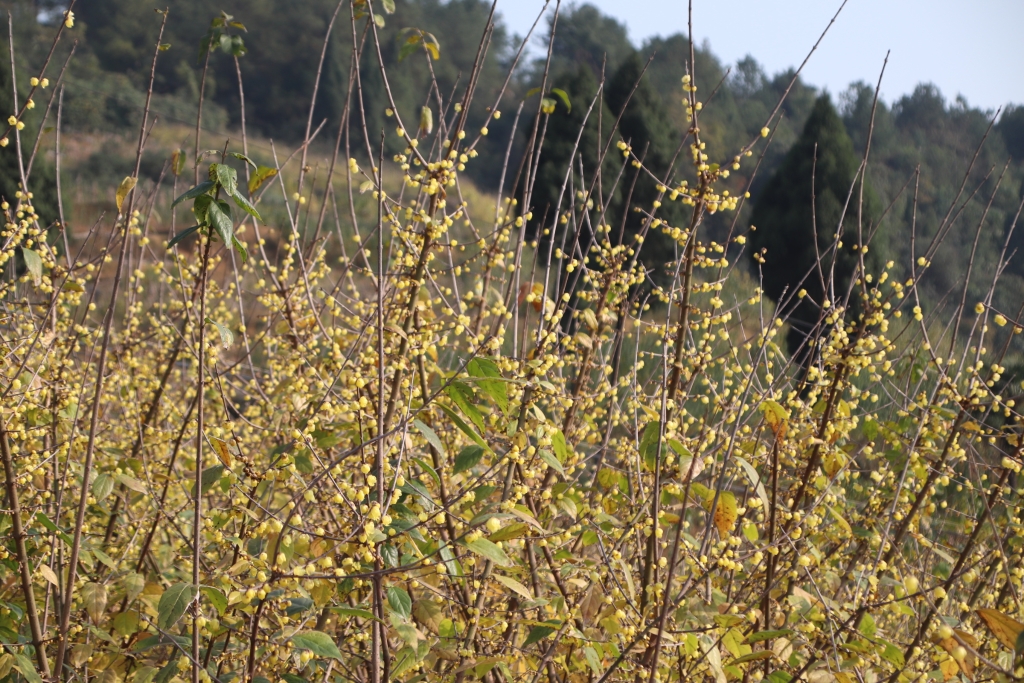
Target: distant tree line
x: 282, y: 46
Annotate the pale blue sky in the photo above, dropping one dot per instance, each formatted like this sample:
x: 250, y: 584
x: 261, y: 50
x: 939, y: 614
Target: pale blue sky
x: 969, y: 47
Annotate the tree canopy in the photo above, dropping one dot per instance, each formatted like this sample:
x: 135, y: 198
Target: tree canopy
x: 809, y: 225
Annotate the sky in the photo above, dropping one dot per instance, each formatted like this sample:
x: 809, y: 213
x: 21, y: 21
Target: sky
x: 974, y: 49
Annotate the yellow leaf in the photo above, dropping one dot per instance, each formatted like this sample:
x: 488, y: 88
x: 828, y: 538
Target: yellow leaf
x: 776, y: 416
x: 950, y: 644
x: 1005, y: 629
x: 949, y: 668
x: 222, y: 451
x: 426, y: 122
x: 48, y: 574
x: 123, y: 189
x: 725, y: 513
x: 514, y: 585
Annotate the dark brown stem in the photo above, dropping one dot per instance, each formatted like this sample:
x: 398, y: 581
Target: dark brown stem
x: 11, y: 484
x: 101, y: 365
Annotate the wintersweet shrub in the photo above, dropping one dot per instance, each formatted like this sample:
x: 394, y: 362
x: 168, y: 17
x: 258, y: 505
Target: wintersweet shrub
x: 456, y: 454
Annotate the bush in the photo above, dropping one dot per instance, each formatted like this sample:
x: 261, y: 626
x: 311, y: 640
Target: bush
x: 228, y: 461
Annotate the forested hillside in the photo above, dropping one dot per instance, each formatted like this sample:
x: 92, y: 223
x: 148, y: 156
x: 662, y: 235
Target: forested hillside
x: 281, y: 47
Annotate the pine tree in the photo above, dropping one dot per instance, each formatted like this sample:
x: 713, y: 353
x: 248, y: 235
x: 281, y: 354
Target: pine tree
x: 822, y: 164
x: 560, y: 133
x: 644, y: 124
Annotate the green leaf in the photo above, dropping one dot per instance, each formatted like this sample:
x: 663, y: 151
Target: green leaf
x: 210, y: 476
x: 379, y: 20
x: 649, y: 444
x: 551, y: 461
x: 104, y: 558
x: 131, y: 483
x: 519, y: 588
x: 767, y: 635
x: 237, y: 47
x: 467, y: 458
x: 216, y: 598
x: 226, y: 337
x: 317, y: 642
x: 134, y: 583
x: 225, y: 176
x: 126, y: 623
x: 593, y: 661
x: 463, y: 397
x: 388, y: 5
x: 94, y: 599
x: 752, y: 657
x: 244, y: 205
x: 260, y: 176
x: 242, y: 157
x: 200, y: 189
x: 867, y: 626
x: 34, y: 263
x: 201, y: 209
x: 558, y: 443
x: 102, y: 486
x: 562, y: 95
x: 220, y: 219
x: 486, y: 368
x: 430, y: 435
x: 399, y: 601
x: 145, y: 674
x: 27, y: 669
x: 490, y: 551
x: 465, y: 428
x: 240, y: 249
x: 406, y: 657
x: 412, y: 38
x: 173, y: 604
x: 182, y: 235
x: 755, y: 481
x: 891, y: 654
x: 428, y: 469
x: 538, y: 633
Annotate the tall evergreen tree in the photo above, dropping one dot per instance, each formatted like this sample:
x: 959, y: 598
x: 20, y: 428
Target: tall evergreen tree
x: 797, y: 216
x: 563, y: 126
x: 645, y: 125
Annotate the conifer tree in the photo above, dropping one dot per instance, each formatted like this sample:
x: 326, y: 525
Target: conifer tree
x: 798, y: 214
x: 644, y: 124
